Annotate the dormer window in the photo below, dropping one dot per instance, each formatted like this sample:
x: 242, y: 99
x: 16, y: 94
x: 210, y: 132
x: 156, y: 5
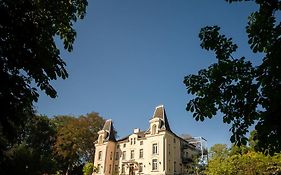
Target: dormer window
x: 100, y: 139
x: 153, y: 129
x: 154, y: 148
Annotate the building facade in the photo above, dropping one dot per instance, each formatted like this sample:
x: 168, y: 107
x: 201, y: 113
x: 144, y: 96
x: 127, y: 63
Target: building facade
x: 156, y: 151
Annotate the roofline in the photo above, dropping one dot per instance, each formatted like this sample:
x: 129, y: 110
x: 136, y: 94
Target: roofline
x: 160, y: 106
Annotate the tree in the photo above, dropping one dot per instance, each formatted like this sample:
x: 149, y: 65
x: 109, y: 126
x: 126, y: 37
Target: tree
x: 29, y: 57
x: 248, y: 163
x: 253, y: 142
x: 75, y: 139
x: 46, y: 146
x: 243, y: 93
x: 88, y: 169
x: 33, y: 152
x: 218, y: 150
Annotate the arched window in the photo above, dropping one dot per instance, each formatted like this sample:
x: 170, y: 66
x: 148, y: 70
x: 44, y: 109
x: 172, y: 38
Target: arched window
x: 153, y: 131
x: 99, y: 156
x: 100, y: 139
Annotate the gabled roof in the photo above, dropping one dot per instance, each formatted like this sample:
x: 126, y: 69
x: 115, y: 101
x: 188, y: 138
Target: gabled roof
x: 161, y: 114
x: 108, y: 127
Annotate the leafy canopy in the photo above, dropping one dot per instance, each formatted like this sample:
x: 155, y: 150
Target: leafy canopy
x: 29, y: 57
x: 75, y: 138
x: 218, y: 150
x: 33, y: 152
x: 88, y: 169
x: 49, y: 145
x: 241, y: 92
x: 242, y: 160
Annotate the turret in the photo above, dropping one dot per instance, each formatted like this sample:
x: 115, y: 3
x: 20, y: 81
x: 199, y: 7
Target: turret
x: 159, y: 121
x: 105, y: 149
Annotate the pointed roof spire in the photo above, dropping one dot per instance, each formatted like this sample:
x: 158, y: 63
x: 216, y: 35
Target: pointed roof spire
x: 161, y: 114
x: 108, y: 127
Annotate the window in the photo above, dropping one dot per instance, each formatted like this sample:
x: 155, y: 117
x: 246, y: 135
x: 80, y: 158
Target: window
x: 110, y: 155
x: 185, y: 155
x: 131, y: 141
x: 109, y: 169
x: 140, y: 167
x: 124, y: 146
x: 153, y: 129
x: 99, y: 168
x: 123, y: 168
x: 100, y: 154
x: 154, y: 164
x: 141, y: 153
x: 175, y: 167
x: 154, y: 148
x: 118, y: 146
x: 134, y: 140
x: 100, y: 139
x: 117, y: 156
x: 116, y: 169
x: 141, y: 142
x: 124, y: 155
x: 132, y: 154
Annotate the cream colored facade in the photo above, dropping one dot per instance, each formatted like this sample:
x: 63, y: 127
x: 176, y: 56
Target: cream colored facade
x: 156, y: 151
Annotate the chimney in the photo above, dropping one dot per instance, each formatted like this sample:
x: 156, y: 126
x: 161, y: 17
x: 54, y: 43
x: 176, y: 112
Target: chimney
x: 136, y: 130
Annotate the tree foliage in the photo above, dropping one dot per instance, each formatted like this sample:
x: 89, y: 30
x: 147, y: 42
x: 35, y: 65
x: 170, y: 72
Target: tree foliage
x: 33, y: 152
x: 243, y: 161
x: 49, y: 145
x: 88, y: 169
x: 218, y: 150
x: 75, y: 138
x: 241, y: 92
x: 29, y: 57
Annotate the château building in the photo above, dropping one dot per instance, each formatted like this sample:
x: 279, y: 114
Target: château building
x: 156, y: 151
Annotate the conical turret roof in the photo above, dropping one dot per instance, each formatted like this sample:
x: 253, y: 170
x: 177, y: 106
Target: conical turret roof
x: 160, y: 113
x: 110, y: 134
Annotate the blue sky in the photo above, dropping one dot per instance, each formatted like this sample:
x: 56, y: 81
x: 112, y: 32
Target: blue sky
x: 132, y: 55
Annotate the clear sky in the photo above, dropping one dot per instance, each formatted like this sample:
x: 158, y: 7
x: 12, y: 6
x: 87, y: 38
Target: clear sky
x: 132, y: 55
